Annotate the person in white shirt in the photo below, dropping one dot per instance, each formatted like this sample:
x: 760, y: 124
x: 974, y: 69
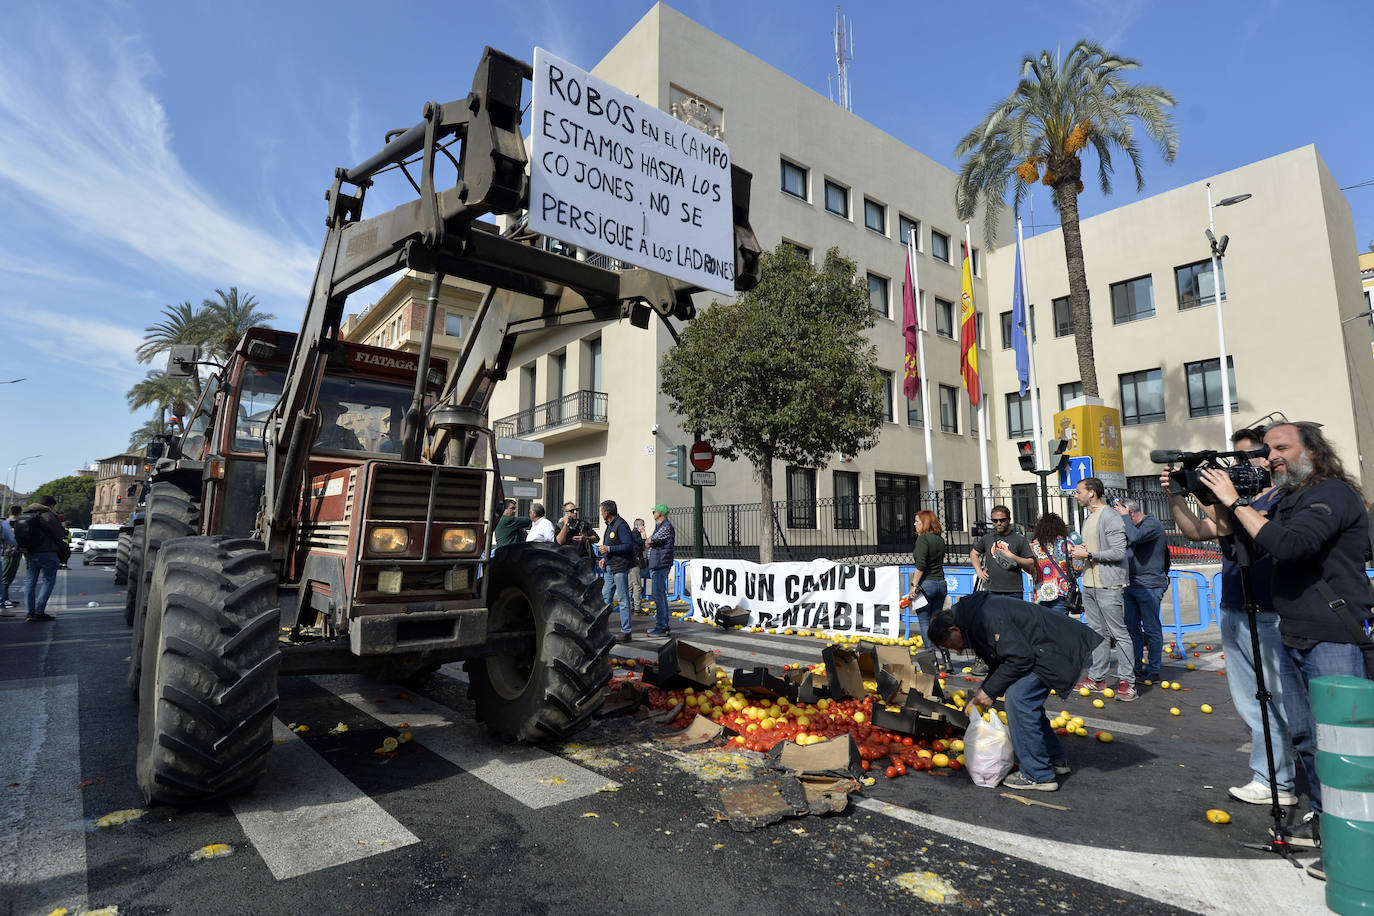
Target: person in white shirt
x: 541, y: 529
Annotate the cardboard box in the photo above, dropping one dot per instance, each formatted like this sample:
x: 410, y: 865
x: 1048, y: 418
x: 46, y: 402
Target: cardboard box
x: 682, y: 665
x: 807, y: 686
x: 920, y: 717
x: 828, y: 771
x: 701, y: 731
x: 763, y: 682
x: 843, y: 672
x: 729, y: 619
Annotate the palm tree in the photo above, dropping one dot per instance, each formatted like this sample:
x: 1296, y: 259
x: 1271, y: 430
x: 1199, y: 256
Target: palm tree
x: 145, y: 433
x: 1058, y: 110
x: 168, y: 395
x: 228, y: 319
x: 180, y: 324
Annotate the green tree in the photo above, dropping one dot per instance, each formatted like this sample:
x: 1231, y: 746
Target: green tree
x: 180, y: 324
x: 1039, y: 132
x: 227, y: 319
x: 145, y: 433
x: 783, y: 373
x: 172, y: 396
x: 75, y: 496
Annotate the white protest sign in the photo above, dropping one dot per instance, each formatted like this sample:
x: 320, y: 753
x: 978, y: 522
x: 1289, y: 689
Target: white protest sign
x: 617, y: 176
x: 838, y: 598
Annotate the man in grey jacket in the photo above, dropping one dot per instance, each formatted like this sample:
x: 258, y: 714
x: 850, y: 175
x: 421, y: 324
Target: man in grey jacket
x: 1149, y: 572
x: 1103, y: 583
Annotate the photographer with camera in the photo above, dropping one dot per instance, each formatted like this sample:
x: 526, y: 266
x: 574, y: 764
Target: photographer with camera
x: 1317, y: 536
x: 1236, y: 645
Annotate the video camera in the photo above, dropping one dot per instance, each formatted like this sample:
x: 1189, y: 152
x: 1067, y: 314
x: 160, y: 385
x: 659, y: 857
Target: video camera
x: 1248, y: 479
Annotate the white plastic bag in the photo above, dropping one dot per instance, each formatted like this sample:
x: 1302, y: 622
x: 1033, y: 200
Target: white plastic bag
x: 988, y: 754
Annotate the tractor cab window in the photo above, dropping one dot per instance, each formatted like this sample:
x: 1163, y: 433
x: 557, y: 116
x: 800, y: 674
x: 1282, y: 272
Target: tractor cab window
x: 259, y: 392
x: 193, y: 442
x: 361, y: 415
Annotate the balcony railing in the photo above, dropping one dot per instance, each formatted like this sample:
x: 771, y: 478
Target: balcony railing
x: 578, y: 407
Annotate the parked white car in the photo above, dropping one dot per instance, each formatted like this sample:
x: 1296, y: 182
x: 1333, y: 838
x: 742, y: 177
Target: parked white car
x: 78, y: 539
x: 101, y: 543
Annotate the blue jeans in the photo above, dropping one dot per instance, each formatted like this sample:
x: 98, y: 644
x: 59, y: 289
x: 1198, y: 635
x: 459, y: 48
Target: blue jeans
x: 619, y: 584
x: 659, y: 581
x: 1035, y: 743
x: 935, y: 590
x: 1325, y: 658
x: 1142, y: 621
x: 1240, y: 678
x: 42, y: 578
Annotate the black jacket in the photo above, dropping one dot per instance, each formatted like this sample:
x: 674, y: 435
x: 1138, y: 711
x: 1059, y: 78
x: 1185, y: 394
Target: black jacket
x: 53, y: 535
x: 620, y: 556
x: 1016, y: 638
x: 1318, y: 532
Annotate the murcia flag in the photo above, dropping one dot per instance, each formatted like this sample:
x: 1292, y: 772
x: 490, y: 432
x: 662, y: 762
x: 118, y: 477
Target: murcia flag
x: 968, y: 336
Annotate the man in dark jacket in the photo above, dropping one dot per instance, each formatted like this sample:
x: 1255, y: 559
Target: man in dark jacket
x: 617, y: 559
x: 1148, y: 568
x: 661, y: 543
x: 1316, y: 534
x: 1028, y: 651
x: 44, y: 556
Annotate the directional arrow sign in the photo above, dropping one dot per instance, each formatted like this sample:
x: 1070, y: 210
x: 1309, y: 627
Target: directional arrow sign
x: 1078, y: 468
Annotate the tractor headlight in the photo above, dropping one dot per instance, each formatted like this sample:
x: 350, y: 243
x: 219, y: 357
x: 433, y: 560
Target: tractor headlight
x: 388, y: 540
x: 459, y: 540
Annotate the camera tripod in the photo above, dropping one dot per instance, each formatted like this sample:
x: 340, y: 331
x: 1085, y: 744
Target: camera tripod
x: 1278, y: 842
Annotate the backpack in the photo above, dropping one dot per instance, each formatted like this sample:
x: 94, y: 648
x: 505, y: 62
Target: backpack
x: 28, y: 531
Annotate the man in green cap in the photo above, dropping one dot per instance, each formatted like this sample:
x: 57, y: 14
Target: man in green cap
x: 661, y: 544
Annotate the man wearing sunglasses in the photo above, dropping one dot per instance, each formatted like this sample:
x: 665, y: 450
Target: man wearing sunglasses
x: 999, y: 556
x: 575, y: 531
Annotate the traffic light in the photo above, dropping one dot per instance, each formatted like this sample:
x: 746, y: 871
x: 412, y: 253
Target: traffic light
x: 677, y: 464
x: 1057, y: 449
x: 1025, y: 453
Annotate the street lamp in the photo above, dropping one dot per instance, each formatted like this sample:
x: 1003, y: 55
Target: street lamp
x: 13, y: 380
x: 14, y: 477
x: 1218, y: 293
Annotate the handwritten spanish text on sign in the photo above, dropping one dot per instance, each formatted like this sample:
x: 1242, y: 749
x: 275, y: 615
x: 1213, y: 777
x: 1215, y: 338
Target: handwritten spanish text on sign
x: 615, y: 175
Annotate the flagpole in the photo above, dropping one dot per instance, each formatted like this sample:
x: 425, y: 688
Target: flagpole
x: 920, y: 301
x: 982, y: 401
x: 1030, y: 352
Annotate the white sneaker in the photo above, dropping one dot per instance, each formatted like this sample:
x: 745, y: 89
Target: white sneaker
x: 1257, y: 793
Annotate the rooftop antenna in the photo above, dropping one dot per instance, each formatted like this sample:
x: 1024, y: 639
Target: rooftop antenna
x: 844, y: 56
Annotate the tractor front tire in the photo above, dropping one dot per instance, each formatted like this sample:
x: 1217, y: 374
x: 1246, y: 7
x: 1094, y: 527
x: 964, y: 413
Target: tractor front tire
x: 550, y: 691
x: 172, y: 513
x: 209, y: 670
x: 121, y: 563
x: 134, y: 574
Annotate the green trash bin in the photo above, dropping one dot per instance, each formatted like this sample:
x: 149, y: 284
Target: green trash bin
x: 1343, y: 707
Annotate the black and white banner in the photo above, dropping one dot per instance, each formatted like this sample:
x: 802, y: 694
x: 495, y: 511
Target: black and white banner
x: 839, y: 598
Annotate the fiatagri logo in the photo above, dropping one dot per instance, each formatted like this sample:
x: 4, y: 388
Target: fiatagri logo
x: 391, y: 362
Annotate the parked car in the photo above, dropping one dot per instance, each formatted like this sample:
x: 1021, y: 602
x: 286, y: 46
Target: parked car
x: 77, y: 539
x: 100, y: 544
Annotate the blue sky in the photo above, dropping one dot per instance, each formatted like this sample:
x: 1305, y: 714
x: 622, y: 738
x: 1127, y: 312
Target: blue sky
x: 153, y: 152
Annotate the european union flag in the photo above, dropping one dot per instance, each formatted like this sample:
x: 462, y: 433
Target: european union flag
x: 1020, y: 337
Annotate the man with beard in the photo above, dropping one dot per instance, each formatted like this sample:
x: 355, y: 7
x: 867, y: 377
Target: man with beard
x: 1316, y: 534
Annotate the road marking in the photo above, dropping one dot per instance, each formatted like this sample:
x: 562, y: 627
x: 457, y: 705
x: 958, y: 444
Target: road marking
x: 1239, y: 886
x: 305, y: 815
x: 533, y: 777
x: 42, y: 822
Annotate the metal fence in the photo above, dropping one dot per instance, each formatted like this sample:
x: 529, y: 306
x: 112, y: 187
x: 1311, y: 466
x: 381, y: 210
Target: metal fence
x: 878, y: 528
x: 580, y: 406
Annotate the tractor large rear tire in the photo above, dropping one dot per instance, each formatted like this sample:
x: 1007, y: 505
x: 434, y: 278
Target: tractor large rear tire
x: 122, y: 561
x: 551, y: 691
x: 172, y: 513
x: 135, y: 573
x: 210, y: 670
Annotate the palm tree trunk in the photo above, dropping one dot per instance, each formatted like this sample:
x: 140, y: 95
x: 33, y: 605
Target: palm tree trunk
x: 767, y: 519
x: 1066, y: 199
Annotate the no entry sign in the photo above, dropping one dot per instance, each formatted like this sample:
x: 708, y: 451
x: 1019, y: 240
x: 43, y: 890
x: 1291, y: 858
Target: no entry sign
x: 702, y: 455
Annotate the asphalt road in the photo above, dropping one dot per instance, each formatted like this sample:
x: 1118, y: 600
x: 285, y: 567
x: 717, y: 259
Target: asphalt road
x: 455, y: 822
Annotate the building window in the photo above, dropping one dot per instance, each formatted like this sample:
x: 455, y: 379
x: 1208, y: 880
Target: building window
x: 837, y: 198
x: 594, y: 364
x: 974, y: 265
x: 1025, y: 505
x: 954, y: 505
x: 944, y: 318
x: 913, y: 412
x: 1142, y: 397
x: 887, y: 394
x: 1194, y: 284
x: 1020, y: 418
x: 846, y: 500
x: 801, y: 498
x: 1007, y: 341
x: 939, y: 245
x: 875, y: 216
x: 973, y: 417
x: 905, y: 226
x: 980, y: 330
x: 877, y: 295
x: 1133, y: 300
x: 949, y: 409
x: 793, y: 179
x: 1069, y: 391
x: 453, y: 324
x: 800, y: 251
x: 553, y: 494
x: 589, y: 490
x: 1204, y: 387
x: 1063, y: 316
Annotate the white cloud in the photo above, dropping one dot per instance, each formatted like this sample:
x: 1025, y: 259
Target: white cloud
x: 85, y: 346
x: 89, y: 143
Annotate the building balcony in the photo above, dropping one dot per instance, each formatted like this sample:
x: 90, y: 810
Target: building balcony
x: 578, y: 414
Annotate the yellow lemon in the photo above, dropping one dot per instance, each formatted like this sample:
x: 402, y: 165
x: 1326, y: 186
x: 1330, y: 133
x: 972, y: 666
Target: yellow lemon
x: 1206, y: 708
x: 1108, y: 692
x: 1174, y: 711
x: 1217, y: 816
x: 1099, y: 704
x: 1105, y: 737
x: 1084, y: 691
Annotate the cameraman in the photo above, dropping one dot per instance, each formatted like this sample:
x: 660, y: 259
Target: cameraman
x: 1236, y: 645
x: 1317, y: 537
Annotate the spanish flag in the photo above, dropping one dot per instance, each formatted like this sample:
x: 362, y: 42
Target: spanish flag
x: 968, y: 335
